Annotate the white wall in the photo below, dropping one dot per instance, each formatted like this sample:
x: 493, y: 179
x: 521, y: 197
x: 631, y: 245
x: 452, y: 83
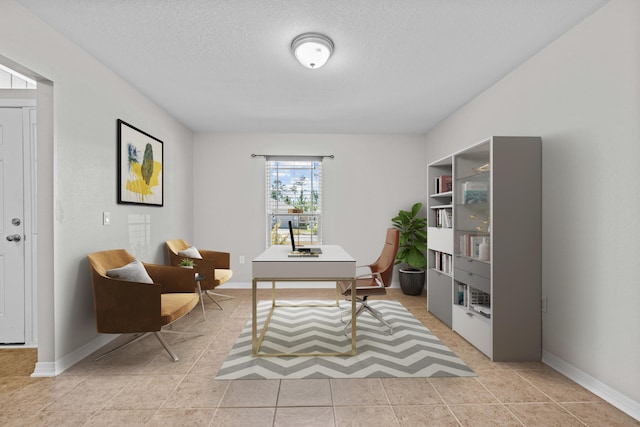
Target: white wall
x: 368, y: 181
x: 582, y: 95
x: 77, y: 176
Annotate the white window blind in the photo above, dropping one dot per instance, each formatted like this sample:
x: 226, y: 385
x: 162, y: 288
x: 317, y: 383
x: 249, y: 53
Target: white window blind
x: 293, y: 193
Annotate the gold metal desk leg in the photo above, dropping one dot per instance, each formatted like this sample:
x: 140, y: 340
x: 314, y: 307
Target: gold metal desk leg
x: 353, y: 317
x: 254, y: 317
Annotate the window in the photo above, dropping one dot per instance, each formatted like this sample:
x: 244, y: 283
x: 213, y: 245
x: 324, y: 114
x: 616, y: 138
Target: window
x: 10, y: 79
x: 293, y: 193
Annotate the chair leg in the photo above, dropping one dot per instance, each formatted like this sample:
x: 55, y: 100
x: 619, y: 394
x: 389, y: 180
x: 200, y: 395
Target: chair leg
x: 364, y: 305
x: 160, y: 338
x: 375, y: 313
x: 204, y: 315
x: 347, y: 326
x: 166, y: 346
x: 135, y: 338
x: 209, y: 294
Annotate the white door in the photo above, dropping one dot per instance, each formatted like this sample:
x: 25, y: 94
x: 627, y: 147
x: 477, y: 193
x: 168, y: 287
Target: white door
x: 12, y: 256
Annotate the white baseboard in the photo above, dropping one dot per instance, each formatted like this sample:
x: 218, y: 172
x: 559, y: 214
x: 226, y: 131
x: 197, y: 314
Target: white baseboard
x: 615, y: 398
x: 44, y: 369
x: 51, y: 369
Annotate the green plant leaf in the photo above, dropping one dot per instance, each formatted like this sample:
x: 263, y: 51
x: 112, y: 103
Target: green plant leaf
x: 413, y: 237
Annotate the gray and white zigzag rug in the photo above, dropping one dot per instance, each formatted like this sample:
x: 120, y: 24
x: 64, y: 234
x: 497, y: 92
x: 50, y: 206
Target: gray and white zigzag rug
x: 411, y: 351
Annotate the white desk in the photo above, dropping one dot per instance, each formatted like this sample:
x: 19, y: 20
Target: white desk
x: 275, y: 265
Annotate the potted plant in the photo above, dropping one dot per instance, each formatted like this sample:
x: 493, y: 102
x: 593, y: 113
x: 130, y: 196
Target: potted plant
x: 186, y: 263
x: 413, y: 245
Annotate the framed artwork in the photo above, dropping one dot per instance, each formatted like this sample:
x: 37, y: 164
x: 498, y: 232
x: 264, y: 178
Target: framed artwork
x: 140, y: 163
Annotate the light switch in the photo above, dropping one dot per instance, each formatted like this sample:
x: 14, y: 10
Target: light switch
x: 106, y: 218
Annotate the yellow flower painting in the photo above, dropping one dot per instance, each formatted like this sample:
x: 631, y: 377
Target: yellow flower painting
x: 140, y: 166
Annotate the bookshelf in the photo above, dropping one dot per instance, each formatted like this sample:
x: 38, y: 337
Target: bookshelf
x: 440, y: 238
x: 490, y: 292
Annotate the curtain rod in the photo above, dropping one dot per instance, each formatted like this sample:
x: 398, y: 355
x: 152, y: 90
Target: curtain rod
x: 331, y: 156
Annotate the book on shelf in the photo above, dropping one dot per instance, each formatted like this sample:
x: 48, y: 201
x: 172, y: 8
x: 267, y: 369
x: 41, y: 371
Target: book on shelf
x: 446, y: 183
x: 474, y: 192
x: 443, y: 183
x: 444, y: 262
x: 461, y: 295
x: 469, y: 244
x: 444, y: 218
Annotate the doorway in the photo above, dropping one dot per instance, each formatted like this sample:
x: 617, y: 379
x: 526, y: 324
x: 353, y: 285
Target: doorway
x: 17, y: 302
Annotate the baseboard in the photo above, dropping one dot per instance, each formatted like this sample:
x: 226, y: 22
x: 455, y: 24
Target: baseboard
x: 44, y: 369
x: 51, y: 369
x: 615, y: 398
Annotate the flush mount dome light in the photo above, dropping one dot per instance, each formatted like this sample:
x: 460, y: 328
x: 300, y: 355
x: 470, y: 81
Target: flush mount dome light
x: 311, y: 49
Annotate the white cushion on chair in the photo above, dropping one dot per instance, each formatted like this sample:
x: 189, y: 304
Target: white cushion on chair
x: 132, y: 272
x: 191, y: 252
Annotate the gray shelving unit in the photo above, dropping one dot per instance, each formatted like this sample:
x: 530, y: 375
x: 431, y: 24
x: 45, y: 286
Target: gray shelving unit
x: 490, y: 297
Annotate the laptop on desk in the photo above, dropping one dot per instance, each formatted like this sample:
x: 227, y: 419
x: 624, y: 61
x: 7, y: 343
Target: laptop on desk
x: 301, y: 250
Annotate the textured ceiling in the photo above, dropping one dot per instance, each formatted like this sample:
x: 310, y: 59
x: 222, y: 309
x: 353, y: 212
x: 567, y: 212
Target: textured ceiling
x: 399, y: 66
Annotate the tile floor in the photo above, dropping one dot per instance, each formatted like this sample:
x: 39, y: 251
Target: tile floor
x: 142, y: 386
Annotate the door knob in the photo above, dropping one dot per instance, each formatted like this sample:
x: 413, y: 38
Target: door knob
x: 14, y: 238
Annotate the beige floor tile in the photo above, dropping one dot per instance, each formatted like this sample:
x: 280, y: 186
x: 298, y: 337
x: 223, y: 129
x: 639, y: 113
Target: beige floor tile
x: 521, y: 366
x: 145, y: 392
x: 209, y: 362
x: 196, y: 391
x: 53, y: 418
x: 92, y: 394
x: 476, y: 360
x: 462, y: 390
x: 119, y: 418
x: 365, y: 416
x: 509, y: 387
x: 419, y: 415
x: 251, y: 393
x: 358, y: 392
x: 557, y: 386
x: 543, y: 415
x: 162, y: 363
x: 433, y: 324
x: 127, y: 386
x: 452, y: 340
x: 305, y: 392
x: 182, y: 418
x: 244, y: 417
x: 304, y: 417
x: 410, y: 391
x: 484, y: 415
x: 600, y: 414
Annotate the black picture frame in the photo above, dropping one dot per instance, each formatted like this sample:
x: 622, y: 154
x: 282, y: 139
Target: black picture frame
x: 140, y: 167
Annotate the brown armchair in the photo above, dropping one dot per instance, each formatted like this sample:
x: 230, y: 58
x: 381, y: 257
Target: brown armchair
x: 376, y: 280
x: 142, y: 306
x: 215, y: 266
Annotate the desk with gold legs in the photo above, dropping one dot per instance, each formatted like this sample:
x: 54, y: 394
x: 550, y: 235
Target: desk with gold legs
x: 274, y: 265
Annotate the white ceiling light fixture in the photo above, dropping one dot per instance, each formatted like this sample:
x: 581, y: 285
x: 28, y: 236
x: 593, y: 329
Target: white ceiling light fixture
x: 312, y: 50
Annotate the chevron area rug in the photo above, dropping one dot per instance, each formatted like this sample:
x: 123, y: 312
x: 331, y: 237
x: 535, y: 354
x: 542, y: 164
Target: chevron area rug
x: 411, y: 351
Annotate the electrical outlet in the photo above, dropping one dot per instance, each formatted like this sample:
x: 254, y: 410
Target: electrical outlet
x: 241, y: 259
x: 543, y: 304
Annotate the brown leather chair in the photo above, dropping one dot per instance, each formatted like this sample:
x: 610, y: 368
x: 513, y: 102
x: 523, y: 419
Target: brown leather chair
x: 377, y: 280
x: 142, y: 306
x: 215, y: 266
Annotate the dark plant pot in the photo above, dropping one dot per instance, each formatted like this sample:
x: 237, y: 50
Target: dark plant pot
x: 411, y: 281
